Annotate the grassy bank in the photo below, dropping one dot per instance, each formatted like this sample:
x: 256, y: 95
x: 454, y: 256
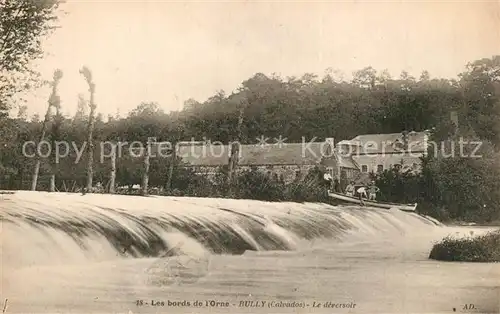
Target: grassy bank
x: 485, y: 248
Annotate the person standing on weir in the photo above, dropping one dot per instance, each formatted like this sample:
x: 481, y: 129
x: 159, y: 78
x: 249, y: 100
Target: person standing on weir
x: 328, y: 181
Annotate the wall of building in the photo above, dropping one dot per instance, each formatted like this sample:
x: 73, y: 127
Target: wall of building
x: 349, y: 173
x: 387, y: 161
x: 287, y: 173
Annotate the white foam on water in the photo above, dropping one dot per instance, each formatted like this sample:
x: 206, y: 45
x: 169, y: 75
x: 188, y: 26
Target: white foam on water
x: 65, y: 227
x: 60, y: 251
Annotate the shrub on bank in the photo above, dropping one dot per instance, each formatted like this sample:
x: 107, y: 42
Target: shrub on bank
x: 254, y: 184
x: 311, y: 188
x: 449, y: 189
x: 485, y: 248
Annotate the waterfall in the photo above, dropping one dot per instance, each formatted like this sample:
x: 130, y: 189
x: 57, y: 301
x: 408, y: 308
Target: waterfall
x: 50, y: 228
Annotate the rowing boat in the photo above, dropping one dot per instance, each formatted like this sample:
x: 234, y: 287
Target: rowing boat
x: 365, y: 202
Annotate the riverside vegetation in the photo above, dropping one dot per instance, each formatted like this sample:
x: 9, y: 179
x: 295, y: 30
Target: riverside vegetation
x: 450, y: 189
x: 485, y: 248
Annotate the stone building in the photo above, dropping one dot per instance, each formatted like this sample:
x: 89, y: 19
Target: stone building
x: 348, y: 160
x: 285, y: 161
x: 378, y: 152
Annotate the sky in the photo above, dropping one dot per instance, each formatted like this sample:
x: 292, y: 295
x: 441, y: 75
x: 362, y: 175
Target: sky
x: 168, y: 52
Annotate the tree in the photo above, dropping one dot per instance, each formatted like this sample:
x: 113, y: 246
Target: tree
x: 9, y: 131
x: 405, y: 76
x: 480, y: 86
x: 22, y: 25
x: 53, y: 102
x: 112, y: 176
x: 81, y: 110
x: 384, y: 76
x: 365, y: 78
x: 333, y: 75
x: 56, y: 136
x: 22, y: 112
x: 145, y: 173
x: 174, y: 131
x: 191, y: 104
x: 90, y: 128
x: 425, y: 76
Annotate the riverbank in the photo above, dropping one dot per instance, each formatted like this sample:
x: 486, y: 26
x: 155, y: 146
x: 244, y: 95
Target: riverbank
x: 483, y: 248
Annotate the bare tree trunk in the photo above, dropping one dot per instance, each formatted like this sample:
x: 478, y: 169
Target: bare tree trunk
x: 52, y: 187
x: 145, y: 175
x: 53, y: 101
x: 90, y: 144
x: 34, y: 181
x: 235, y: 151
x: 90, y: 149
x: 171, y: 167
x: 233, y: 164
x: 55, y: 137
x: 112, y: 176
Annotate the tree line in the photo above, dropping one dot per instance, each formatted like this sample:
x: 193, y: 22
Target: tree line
x: 272, y: 106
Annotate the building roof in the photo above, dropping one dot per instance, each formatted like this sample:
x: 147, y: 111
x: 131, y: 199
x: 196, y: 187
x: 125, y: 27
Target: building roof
x: 391, y: 142
x: 286, y: 154
x: 272, y: 154
x: 205, y: 154
x: 347, y: 162
x: 199, y: 154
x: 348, y: 142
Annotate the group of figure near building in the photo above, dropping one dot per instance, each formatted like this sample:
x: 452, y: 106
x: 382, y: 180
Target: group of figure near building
x: 363, y: 191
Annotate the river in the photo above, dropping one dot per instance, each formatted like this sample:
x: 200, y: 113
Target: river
x: 69, y: 253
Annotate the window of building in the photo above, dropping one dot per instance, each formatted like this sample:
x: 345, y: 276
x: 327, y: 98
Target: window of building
x: 380, y: 168
x: 297, y: 174
x: 364, y: 168
x: 397, y: 166
x: 275, y: 176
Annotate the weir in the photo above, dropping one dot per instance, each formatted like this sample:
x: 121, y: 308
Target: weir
x: 100, y: 253
x: 50, y: 228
